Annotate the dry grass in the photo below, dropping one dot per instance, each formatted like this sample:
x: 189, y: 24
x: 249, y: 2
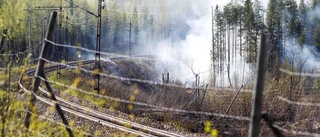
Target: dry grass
x: 303, y: 90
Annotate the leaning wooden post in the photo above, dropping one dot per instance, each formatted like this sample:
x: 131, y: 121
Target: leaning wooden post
x: 204, y: 94
x: 57, y: 106
x: 40, y: 73
x: 257, y: 97
x: 40, y: 67
x: 234, y: 99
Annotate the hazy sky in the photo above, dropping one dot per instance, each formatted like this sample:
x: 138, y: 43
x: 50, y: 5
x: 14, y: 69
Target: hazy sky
x: 223, y: 2
x: 263, y: 2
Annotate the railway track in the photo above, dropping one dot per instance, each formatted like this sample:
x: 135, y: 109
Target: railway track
x: 219, y: 89
x: 96, y: 116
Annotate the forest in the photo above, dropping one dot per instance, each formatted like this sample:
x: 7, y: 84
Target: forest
x: 130, y: 25
x: 150, y: 39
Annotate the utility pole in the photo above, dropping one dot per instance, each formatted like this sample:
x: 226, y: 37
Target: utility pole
x: 97, y: 67
x: 43, y: 33
x: 66, y: 40
x: 60, y: 34
x: 59, y: 38
x: 96, y: 76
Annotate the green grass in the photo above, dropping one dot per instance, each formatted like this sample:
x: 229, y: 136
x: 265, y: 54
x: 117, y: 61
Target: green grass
x: 12, y: 116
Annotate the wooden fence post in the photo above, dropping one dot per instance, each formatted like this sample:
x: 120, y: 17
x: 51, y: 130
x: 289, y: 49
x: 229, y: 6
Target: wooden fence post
x: 39, y: 72
x: 57, y: 106
x: 234, y: 98
x: 290, y: 113
x: 257, y: 97
x: 204, y: 94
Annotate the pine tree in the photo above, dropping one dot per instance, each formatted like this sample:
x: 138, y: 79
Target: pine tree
x: 315, y: 3
x: 292, y: 18
x: 235, y: 17
x: 12, y: 16
x: 228, y: 17
x: 249, y: 27
x: 220, y: 24
x: 316, y: 36
x: 240, y: 10
x: 258, y: 22
x: 273, y: 22
x: 315, y: 26
x: 302, y: 21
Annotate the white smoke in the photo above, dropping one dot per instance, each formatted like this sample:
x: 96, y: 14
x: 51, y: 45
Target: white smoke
x: 182, y: 57
x: 192, y: 55
x: 304, y: 58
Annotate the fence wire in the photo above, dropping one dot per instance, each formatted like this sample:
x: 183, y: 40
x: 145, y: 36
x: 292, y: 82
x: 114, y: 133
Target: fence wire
x: 297, y: 133
x: 58, y: 123
x: 111, y: 55
x: 241, y: 118
x: 156, y: 83
x: 291, y: 73
x: 299, y: 103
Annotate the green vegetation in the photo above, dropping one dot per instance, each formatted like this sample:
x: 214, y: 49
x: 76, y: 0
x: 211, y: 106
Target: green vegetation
x: 237, y: 26
x: 243, y: 23
x: 13, y: 110
x: 11, y: 113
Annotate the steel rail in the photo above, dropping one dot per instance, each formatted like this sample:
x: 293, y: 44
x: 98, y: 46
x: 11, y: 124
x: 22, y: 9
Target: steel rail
x: 117, y: 119
x: 96, y: 116
x: 95, y: 119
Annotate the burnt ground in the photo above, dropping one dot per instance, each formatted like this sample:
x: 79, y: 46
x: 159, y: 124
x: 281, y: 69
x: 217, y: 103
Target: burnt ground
x: 160, y: 95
